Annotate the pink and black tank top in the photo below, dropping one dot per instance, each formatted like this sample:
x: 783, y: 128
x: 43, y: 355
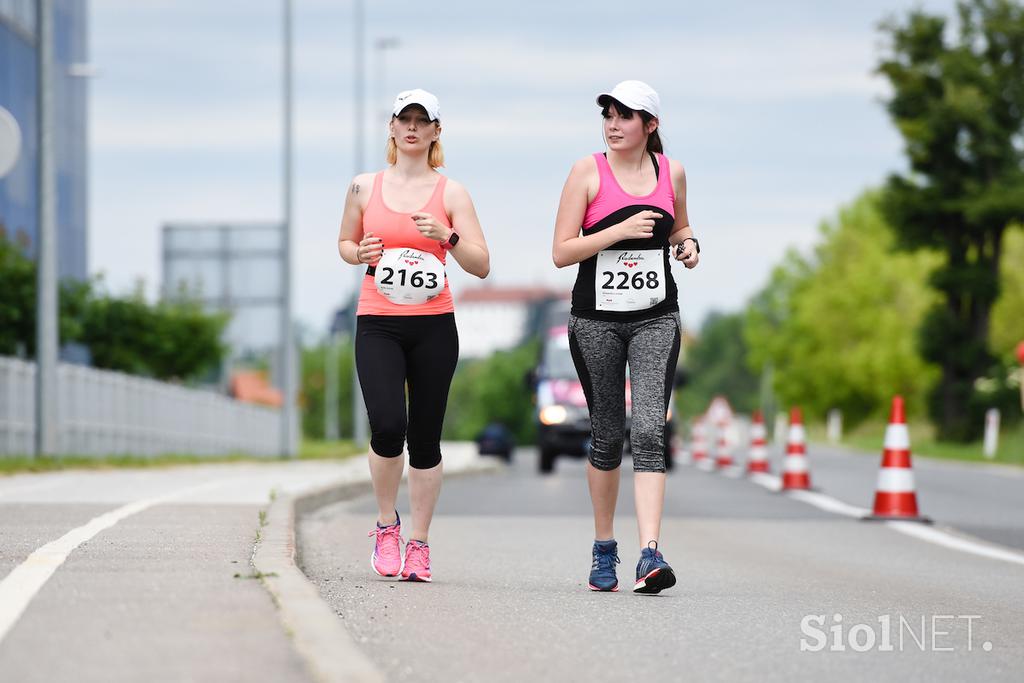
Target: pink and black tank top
x: 599, y: 280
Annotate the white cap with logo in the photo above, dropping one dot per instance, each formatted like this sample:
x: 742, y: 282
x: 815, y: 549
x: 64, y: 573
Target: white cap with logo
x: 636, y: 95
x: 420, y: 97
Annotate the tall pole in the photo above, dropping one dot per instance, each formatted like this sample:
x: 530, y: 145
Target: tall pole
x: 381, y: 46
x: 331, y: 431
x: 286, y: 361
x: 358, y: 406
x: 46, y: 246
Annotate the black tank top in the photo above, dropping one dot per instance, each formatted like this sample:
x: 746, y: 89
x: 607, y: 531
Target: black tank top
x: 632, y: 279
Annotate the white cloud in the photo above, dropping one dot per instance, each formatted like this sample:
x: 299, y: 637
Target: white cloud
x: 778, y: 124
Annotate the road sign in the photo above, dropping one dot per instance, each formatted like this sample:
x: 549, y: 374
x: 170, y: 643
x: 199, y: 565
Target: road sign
x: 10, y: 141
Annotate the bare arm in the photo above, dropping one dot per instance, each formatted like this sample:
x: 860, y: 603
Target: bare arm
x: 569, y: 247
x: 353, y: 246
x: 681, y: 228
x: 471, y: 251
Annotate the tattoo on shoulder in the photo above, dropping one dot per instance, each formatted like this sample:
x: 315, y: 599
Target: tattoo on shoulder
x: 355, y: 188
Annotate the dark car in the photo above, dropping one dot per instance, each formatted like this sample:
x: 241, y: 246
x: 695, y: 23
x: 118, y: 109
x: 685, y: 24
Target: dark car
x: 563, y: 421
x: 496, y: 439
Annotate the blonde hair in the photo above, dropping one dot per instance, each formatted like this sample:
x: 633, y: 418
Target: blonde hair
x: 435, y: 155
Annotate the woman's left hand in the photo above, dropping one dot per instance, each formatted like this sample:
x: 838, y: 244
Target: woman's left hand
x: 430, y: 228
x: 687, y: 253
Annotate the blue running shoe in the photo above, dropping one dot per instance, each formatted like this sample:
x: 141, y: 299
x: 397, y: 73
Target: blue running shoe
x: 602, y: 571
x: 653, y: 574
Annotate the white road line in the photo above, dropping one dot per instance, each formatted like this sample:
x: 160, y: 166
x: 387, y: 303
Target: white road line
x: 19, y: 587
x: 828, y: 503
x: 768, y: 481
x: 932, y: 535
x: 915, y: 529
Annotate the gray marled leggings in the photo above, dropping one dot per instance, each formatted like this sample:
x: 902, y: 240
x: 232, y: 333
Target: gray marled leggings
x: 600, y: 351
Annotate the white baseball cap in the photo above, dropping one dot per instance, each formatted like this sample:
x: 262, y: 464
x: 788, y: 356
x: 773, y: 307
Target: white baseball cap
x: 636, y: 95
x: 420, y: 97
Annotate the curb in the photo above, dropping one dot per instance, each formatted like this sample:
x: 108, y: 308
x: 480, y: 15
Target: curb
x: 318, y: 634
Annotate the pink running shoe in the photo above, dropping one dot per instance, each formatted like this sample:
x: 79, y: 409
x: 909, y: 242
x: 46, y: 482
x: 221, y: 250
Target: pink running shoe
x: 387, y: 551
x: 417, y: 562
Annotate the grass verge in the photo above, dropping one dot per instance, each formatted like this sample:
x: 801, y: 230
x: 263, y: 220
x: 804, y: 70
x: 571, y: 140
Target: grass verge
x: 308, y: 450
x: 871, y: 436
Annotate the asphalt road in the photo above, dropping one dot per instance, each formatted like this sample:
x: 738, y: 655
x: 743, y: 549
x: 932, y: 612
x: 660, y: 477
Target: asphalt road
x: 761, y: 576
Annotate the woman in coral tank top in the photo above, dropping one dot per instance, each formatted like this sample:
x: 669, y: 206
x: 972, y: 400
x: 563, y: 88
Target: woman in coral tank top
x: 401, y: 224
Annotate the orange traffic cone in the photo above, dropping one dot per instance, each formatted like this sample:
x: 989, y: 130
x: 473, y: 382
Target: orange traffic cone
x: 723, y: 457
x: 895, y: 497
x: 700, y: 444
x: 795, y: 473
x: 758, y: 460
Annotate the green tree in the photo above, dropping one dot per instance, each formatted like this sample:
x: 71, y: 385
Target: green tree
x: 1008, y: 312
x: 960, y: 108
x: 839, y: 327
x: 17, y: 301
x: 493, y: 389
x: 18, y: 304
x: 312, y: 391
x: 172, y: 340
x: 717, y: 365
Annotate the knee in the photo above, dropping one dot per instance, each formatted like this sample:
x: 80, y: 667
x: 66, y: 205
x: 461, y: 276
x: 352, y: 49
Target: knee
x: 646, y: 436
x: 424, y: 455
x: 387, y: 436
x: 605, y: 453
x: 647, y: 443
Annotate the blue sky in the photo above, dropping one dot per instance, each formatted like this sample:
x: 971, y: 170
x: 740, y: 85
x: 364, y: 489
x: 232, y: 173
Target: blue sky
x: 772, y: 108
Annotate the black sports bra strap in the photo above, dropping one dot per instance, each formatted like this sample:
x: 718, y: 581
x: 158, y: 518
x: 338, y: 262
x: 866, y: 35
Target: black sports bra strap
x: 657, y: 169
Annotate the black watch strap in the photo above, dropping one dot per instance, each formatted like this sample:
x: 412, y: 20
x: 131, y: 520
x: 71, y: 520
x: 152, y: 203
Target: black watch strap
x: 695, y: 242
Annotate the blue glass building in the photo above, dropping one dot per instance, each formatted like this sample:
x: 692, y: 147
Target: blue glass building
x: 18, y: 80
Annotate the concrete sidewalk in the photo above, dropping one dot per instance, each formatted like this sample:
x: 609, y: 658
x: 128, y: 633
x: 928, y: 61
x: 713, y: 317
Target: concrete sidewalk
x: 149, y: 574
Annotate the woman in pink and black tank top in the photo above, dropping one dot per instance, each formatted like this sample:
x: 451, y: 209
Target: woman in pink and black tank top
x: 401, y: 225
x: 621, y: 217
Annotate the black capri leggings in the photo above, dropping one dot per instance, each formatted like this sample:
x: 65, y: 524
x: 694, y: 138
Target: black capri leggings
x: 395, y: 351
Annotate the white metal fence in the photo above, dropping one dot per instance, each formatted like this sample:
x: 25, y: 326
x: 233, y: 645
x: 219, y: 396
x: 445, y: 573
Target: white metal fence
x: 104, y: 412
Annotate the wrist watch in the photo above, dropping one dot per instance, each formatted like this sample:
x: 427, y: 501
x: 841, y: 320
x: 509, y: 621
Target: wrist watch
x: 696, y: 244
x: 452, y: 240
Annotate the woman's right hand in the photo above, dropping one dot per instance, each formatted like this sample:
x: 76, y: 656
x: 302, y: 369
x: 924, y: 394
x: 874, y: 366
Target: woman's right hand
x: 370, y: 249
x: 638, y: 226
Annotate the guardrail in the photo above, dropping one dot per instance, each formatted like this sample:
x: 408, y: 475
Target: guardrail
x: 110, y: 413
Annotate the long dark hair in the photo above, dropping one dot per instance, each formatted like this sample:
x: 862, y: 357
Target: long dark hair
x: 653, y: 140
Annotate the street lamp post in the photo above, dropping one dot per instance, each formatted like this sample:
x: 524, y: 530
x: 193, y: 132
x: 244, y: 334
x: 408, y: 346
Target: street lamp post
x: 359, y: 427
x: 286, y: 358
x: 331, y: 379
x: 47, y: 430
x: 381, y: 46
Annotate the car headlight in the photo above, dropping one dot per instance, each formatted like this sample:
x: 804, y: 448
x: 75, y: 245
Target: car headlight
x: 553, y: 415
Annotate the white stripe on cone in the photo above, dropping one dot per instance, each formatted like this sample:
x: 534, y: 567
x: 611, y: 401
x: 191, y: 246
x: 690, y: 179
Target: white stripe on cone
x: 796, y: 464
x: 897, y: 437
x: 896, y: 480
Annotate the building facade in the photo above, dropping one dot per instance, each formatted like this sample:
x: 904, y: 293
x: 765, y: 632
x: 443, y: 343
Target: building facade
x: 19, y: 214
